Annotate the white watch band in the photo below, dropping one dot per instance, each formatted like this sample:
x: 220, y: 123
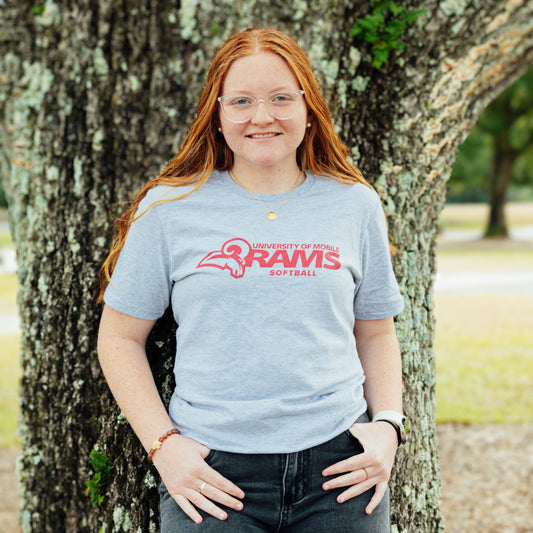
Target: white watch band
x: 396, y: 419
x: 393, y: 416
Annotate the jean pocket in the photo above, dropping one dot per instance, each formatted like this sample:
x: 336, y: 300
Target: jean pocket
x: 355, y: 441
x: 162, y: 489
x: 210, y: 456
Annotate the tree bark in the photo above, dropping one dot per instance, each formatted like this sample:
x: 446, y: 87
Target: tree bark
x: 96, y: 95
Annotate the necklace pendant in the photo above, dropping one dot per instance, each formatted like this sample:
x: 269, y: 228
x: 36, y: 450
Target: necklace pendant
x: 272, y: 215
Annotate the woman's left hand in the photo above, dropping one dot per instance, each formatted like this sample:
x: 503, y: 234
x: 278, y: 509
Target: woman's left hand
x: 371, y: 468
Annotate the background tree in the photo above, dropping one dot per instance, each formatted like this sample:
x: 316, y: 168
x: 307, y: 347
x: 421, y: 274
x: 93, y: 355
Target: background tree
x: 3, y: 200
x: 95, y: 96
x: 498, y: 153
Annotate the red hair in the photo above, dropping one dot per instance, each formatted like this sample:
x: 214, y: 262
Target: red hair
x: 204, y: 149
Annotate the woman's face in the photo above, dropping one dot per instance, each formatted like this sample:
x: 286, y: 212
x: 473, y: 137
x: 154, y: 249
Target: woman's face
x: 263, y: 140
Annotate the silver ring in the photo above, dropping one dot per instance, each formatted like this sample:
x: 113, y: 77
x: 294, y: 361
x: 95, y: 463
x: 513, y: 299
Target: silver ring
x: 202, y: 487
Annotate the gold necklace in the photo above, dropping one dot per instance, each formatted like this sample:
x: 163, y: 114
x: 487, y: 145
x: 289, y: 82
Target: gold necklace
x: 272, y: 215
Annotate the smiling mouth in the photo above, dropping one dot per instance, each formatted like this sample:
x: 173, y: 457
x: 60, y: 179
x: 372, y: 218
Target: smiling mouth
x: 262, y: 135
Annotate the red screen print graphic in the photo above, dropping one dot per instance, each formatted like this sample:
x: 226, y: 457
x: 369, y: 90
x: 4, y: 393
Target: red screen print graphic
x: 231, y: 256
x: 284, y: 259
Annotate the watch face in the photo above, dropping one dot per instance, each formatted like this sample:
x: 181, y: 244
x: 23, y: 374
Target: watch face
x: 405, y: 425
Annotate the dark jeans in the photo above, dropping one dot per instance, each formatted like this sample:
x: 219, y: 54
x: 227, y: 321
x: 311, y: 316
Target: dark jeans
x: 284, y: 494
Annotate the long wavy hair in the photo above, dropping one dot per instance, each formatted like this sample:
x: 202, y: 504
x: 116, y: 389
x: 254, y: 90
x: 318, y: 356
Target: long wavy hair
x: 204, y: 148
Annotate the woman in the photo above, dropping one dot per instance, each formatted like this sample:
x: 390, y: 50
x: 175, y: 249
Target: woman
x: 272, y: 250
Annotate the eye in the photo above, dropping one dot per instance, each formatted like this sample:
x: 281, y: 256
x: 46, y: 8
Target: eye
x: 239, y: 101
x: 282, y: 99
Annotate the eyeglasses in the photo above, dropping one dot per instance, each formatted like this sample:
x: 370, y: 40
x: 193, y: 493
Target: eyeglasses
x: 240, y: 108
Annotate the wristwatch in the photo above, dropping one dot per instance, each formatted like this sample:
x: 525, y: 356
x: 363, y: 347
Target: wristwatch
x: 395, y: 419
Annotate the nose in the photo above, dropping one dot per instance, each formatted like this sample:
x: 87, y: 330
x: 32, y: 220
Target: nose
x: 262, y: 114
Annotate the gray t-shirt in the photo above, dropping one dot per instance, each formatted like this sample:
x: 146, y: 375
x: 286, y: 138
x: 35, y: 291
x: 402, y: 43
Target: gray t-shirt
x: 266, y: 357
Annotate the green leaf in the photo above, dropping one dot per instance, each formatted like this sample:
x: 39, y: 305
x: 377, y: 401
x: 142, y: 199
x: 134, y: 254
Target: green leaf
x: 38, y: 9
x: 96, y: 485
x: 368, y: 24
x: 411, y: 17
x: 523, y: 169
x: 400, y: 45
x: 381, y: 55
x: 383, y: 29
x: 395, y: 9
x: 370, y: 37
x: 380, y: 45
x: 378, y: 6
x: 521, y: 131
x: 355, y: 30
x: 378, y: 20
x: 395, y: 29
x: 98, y: 461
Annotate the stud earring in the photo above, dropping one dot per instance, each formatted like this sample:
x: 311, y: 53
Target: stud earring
x: 309, y: 124
x: 220, y: 130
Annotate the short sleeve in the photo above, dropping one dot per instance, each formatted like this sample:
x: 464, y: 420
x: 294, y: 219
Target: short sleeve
x: 140, y: 285
x: 377, y: 295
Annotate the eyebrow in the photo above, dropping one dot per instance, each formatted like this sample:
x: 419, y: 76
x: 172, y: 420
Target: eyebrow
x: 249, y: 93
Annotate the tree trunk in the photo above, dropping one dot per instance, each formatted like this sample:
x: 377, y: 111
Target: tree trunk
x: 502, y: 170
x: 95, y: 96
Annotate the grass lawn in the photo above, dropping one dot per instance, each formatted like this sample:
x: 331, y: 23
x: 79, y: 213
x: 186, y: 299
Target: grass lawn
x: 9, y: 381
x: 9, y: 365
x: 5, y: 240
x: 8, y: 293
x: 483, y: 342
x: 487, y: 259
x: 484, y: 351
x: 475, y: 216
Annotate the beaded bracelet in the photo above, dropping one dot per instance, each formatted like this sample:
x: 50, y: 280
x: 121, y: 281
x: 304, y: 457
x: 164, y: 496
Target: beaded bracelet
x: 157, y: 443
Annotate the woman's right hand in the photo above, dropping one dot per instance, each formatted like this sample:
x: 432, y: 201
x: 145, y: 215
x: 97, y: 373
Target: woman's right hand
x: 180, y: 461
x: 181, y: 464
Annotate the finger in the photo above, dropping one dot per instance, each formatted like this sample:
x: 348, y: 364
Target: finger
x: 353, y: 478
x: 217, y: 480
x: 221, y: 497
x: 381, y: 488
x: 355, y: 490
x: 356, y: 462
x: 188, y: 508
x: 200, y: 501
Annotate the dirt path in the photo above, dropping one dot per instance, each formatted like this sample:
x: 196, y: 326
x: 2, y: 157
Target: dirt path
x: 487, y: 480
x: 8, y: 489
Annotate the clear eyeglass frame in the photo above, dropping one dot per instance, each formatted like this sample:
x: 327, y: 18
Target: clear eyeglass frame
x: 255, y: 104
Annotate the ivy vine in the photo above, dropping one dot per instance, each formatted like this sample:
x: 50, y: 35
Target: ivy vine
x: 95, y: 486
x: 383, y: 27
x: 38, y: 9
